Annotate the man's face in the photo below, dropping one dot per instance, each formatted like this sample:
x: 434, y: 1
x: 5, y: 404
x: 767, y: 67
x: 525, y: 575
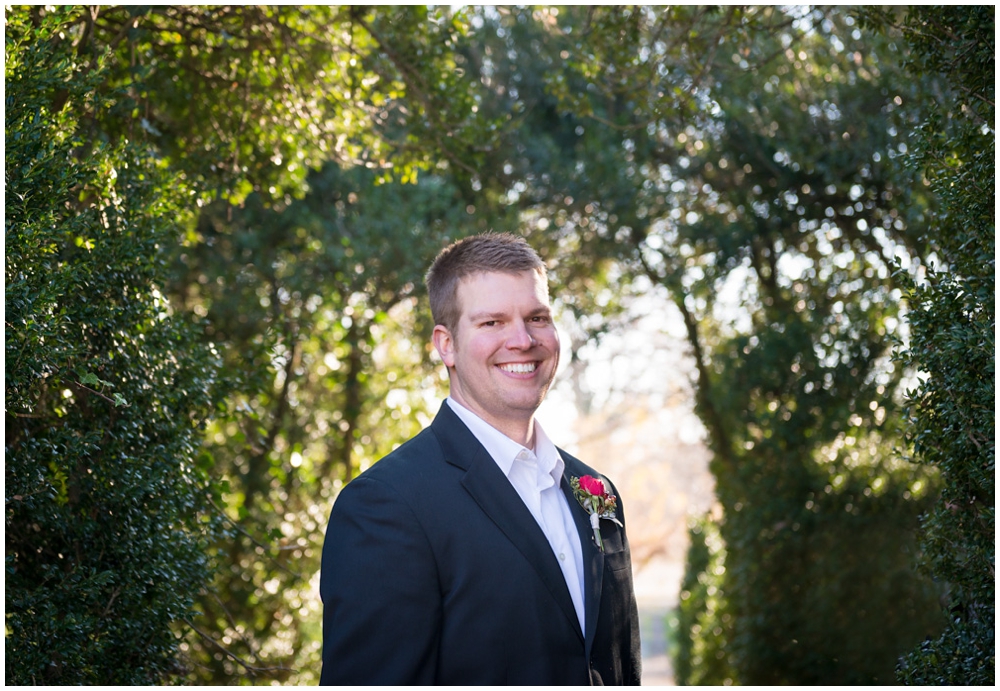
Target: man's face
x: 504, y: 351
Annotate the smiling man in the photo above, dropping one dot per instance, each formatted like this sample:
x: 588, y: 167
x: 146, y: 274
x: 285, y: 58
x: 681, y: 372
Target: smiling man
x: 473, y: 553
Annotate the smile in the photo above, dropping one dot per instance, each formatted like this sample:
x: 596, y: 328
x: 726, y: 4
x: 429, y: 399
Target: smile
x: 519, y: 367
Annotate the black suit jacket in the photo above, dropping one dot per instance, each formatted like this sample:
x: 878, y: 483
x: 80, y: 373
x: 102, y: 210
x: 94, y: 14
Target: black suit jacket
x: 435, y: 572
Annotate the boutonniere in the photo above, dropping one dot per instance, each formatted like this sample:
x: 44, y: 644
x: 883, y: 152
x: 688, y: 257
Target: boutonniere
x: 596, y: 501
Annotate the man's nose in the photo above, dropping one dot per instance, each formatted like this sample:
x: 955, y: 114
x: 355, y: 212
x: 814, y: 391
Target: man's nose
x: 519, y: 337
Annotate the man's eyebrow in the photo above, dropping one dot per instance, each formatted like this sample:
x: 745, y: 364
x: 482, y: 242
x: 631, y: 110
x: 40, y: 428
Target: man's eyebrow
x: 541, y: 310
x: 486, y: 316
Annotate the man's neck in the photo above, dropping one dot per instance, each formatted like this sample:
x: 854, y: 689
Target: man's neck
x: 520, y: 431
x: 523, y: 434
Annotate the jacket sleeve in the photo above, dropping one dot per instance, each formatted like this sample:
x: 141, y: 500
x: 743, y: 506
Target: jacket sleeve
x: 379, y: 585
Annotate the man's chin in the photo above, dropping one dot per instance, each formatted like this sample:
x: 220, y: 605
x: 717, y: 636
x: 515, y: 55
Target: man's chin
x: 526, y: 405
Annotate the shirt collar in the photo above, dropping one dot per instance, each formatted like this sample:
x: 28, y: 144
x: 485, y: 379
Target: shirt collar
x: 504, y: 450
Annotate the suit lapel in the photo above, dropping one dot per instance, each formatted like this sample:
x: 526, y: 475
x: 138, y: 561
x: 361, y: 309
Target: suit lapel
x: 593, y: 558
x: 498, y: 499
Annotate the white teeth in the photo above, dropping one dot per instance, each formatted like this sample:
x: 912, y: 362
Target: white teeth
x: 519, y: 368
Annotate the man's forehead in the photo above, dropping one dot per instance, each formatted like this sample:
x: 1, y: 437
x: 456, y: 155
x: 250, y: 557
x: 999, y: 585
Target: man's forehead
x: 541, y: 286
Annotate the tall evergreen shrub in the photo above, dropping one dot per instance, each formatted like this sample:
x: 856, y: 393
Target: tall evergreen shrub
x: 104, y: 392
x: 953, y: 326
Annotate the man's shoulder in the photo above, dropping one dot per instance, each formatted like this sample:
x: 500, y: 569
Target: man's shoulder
x: 412, y: 474
x: 412, y: 456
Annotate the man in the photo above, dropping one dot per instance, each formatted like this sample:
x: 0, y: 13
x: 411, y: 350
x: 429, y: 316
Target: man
x: 464, y: 556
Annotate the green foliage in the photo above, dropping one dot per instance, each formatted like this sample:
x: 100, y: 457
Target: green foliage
x: 807, y: 596
x: 784, y: 190
x: 243, y: 99
x: 703, y: 618
x: 747, y: 160
x: 563, y: 172
x: 755, y: 153
x: 239, y: 104
x: 326, y: 355
x: 793, y: 198
x: 953, y: 323
x: 105, y: 389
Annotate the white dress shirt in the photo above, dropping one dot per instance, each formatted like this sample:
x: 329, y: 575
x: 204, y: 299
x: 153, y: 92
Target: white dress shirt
x: 535, y: 475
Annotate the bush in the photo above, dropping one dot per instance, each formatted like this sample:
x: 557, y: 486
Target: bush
x: 953, y: 326
x: 105, y: 389
x: 703, y: 618
x: 826, y: 596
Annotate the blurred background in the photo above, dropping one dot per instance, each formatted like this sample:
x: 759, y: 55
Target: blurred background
x: 636, y: 424
x: 770, y: 239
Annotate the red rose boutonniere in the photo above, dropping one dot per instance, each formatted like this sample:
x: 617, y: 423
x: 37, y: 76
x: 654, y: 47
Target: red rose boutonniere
x: 596, y: 501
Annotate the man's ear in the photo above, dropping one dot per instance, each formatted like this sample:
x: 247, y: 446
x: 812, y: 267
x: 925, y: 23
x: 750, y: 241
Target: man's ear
x: 444, y: 344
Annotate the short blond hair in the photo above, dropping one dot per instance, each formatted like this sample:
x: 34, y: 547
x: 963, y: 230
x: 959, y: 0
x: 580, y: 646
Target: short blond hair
x: 486, y: 253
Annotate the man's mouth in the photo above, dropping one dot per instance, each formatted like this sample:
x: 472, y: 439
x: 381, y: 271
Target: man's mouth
x: 519, y: 367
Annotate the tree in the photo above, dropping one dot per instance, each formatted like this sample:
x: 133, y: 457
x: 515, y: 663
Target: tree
x: 314, y: 309
x: 791, y: 197
x: 776, y: 179
x: 952, y: 318
x: 248, y: 98
x: 106, y: 390
x: 746, y: 151
x: 206, y: 104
